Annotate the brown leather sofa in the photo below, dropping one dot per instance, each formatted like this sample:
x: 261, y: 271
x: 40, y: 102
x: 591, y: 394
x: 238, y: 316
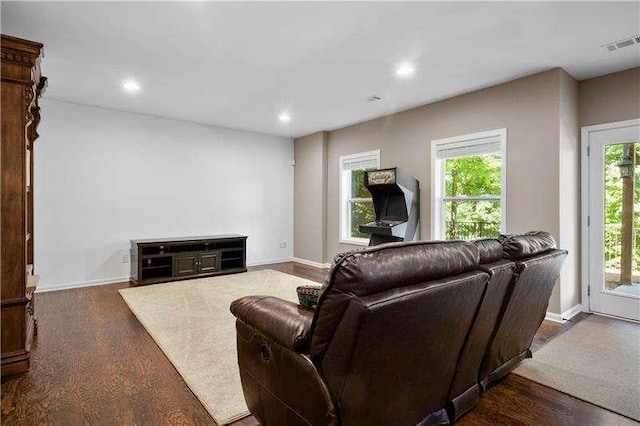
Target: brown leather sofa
x: 403, y: 333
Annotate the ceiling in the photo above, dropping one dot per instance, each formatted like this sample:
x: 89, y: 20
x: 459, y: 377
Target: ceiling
x: 241, y: 64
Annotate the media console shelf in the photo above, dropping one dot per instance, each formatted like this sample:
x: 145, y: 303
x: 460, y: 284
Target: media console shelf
x: 169, y: 259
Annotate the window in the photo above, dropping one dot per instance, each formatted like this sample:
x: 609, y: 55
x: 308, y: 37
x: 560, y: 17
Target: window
x: 468, y: 191
x: 356, y: 205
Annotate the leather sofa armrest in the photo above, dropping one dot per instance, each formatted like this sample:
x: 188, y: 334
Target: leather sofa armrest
x: 284, y: 322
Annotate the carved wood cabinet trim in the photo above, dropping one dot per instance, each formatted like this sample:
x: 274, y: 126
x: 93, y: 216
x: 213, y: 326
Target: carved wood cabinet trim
x: 22, y: 85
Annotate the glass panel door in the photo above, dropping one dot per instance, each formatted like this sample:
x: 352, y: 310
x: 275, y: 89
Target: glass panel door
x: 614, y: 221
x: 621, y: 219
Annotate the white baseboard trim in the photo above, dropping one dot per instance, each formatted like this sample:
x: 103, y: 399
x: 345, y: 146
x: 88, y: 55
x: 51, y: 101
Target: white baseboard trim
x: 44, y: 289
x: 267, y: 262
x: 554, y: 317
x: 572, y: 312
x: 311, y: 263
x: 565, y: 316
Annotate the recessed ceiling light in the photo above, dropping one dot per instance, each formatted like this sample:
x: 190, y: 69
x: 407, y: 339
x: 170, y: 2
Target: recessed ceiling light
x: 404, y: 70
x: 131, y: 86
x: 284, y: 118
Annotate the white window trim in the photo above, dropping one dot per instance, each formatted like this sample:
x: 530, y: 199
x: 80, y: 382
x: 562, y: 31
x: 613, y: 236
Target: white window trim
x: 437, y: 175
x: 344, y: 236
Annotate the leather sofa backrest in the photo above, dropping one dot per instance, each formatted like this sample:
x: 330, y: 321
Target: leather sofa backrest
x: 489, y: 249
x: 538, y: 265
x: 384, y: 267
x: 388, y: 315
x: 522, y: 246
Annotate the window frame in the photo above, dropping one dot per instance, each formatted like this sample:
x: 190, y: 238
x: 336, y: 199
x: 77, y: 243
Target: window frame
x: 438, y: 199
x: 345, y: 198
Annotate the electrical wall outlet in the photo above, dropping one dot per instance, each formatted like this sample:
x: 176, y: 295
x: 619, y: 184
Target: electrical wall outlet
x: 283, y: 245
x: 125, y: 258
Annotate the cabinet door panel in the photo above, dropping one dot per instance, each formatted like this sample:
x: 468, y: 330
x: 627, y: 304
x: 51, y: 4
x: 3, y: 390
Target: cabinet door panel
x: 209, y: 262
x: 185, y: 265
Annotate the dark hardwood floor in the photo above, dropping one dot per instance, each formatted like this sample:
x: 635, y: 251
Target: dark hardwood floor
x: 94, y: 363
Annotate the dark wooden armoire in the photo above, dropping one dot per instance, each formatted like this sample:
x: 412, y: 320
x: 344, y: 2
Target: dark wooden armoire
x: 22, y: 85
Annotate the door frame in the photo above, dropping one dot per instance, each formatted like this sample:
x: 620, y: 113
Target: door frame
x: 584, y: 195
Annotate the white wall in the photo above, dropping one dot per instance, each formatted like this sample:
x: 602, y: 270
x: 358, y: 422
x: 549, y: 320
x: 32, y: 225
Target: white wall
x: 103, y: 177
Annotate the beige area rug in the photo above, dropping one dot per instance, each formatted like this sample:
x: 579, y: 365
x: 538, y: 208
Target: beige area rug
x: 597, y: 360
x: 191, y: 322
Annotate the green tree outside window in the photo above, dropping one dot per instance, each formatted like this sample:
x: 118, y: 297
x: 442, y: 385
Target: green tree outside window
x: 613, y: 211
x: 473, y: 177
x: 360, y: 204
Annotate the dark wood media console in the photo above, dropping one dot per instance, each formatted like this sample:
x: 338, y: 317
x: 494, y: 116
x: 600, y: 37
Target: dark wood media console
x: 161, y: 260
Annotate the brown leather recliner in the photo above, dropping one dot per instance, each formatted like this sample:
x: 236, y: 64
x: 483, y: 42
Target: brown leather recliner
x: 538, y: 265
x: 465, y: 390
x: 523, y: 269
x: 380, y: 348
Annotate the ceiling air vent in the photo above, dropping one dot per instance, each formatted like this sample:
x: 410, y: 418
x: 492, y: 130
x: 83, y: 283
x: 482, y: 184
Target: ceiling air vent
x: 622, y: 43
x: 373, y: 98
x: 625, y: 43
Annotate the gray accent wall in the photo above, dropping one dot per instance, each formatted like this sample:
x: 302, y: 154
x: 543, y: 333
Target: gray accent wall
x: 610, y: 98
x: 310, y: 196
x: 529, y: 108
x: 542, y: 114
x: 568, y: 294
